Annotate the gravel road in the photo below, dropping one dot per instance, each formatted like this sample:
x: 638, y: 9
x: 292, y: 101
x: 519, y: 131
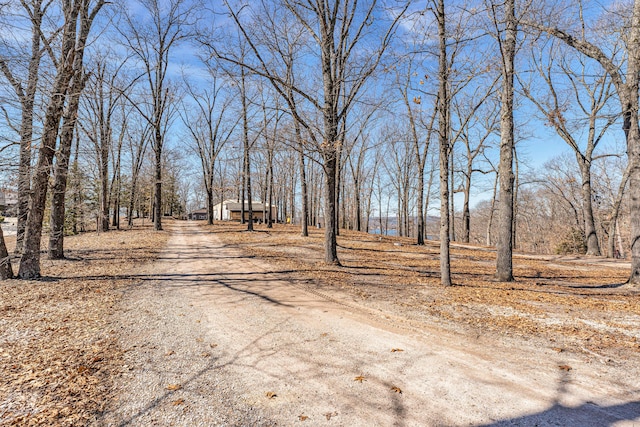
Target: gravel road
x: 214, y: 338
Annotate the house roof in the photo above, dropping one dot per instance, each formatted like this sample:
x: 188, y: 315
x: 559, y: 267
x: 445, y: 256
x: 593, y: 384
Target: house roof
x: 200, y: 211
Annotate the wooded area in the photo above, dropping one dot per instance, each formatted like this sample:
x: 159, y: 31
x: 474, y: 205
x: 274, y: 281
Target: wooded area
x: 344, y: 114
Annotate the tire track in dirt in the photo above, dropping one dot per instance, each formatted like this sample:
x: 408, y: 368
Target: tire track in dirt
x: 266, y: 336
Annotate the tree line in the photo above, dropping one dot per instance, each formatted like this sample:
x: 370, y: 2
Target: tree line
x: 344, y: 114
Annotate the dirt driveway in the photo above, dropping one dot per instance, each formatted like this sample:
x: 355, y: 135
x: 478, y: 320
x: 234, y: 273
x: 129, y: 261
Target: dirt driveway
x: 213, y: 337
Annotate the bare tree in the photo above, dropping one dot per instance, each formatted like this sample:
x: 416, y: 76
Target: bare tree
x: 591, y: 96
x: 338, y: 30
x: 626, y: 85
x: 100, y: 106
x: 210, y: 128
x: 421, y: 141
x: 444, y: 108
x: 476, y: 126
x: 138, y: 137
x: 61, y: 169
x: 25, y: 89
x: 78, y: 18
x: 506, y: 33
x: 152, y: 41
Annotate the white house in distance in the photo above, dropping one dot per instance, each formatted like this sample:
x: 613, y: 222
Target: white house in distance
x: 230, y: 210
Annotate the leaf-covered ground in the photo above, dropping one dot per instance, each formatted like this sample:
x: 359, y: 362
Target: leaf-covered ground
x: 575, y: 304
x: 58, y: 350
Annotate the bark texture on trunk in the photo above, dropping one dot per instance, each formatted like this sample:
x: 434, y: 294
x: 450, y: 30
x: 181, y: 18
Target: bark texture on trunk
x: 304, y: 221
x: 593, y: 246
x: 59, y: 188
x: 30, y: 260
x: 633, y: 141
x: 6, y: 272
x: 443, y: 130
x: 330, y: 226
x: 504, y: 261
x: 613, y: 230
x: 157, y: 189
x: 26, y: 96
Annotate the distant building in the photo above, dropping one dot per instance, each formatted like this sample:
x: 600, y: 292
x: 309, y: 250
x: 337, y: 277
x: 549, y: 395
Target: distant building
x: 231, y: 210
x: 198, y: 215
x: 8, y: 202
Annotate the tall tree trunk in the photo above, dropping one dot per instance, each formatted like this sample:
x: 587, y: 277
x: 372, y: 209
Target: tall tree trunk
x: 157, y: 194
x: 452, y: 194
x: 105, y: 140
x: 443, y: 131
x: 6, y: 272
x: 27, y: 100
x: 245, y: 141
x: 466, y: 213
x: 30, y: 260
x: 504, y: 261
x: 304, y: 222
x: 59, y: 189
x: 613, y: 220
x: 270, y: 190
x: 593, y: 246
x: 421, y: 227
x: 330, y: 226
x: 492, y: 210
x: 76, y: 187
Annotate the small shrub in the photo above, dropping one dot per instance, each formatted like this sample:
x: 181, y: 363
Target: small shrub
x: 573, y: 242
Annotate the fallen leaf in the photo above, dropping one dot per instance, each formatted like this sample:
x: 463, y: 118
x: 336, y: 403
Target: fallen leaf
x: 271, y: 394
x: 565, y: 367
x: 178, y: 402
x: 396, y: 389
x: 302, y: 417
x: 324, y: 334
x: 394, y: 350
x: 174, y: 387
x: 205, y: 354
x: 557, y: 349
x: 360, y: 378
x: 330, y: 414
x: 213, y: 345
x: 199, y: 340
x: 170, y: 353
x: 82, y: 369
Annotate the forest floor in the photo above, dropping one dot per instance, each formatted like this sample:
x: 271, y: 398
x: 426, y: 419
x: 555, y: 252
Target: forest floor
x: 217, y: 326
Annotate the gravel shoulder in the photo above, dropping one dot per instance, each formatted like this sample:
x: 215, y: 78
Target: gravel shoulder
x: 214, y: 337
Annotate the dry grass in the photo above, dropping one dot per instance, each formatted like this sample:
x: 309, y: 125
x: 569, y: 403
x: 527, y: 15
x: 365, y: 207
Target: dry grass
x: 58, y: 351
x: 576, y: 304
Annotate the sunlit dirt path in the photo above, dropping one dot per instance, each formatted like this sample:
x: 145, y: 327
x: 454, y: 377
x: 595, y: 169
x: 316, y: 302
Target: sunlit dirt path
x: 216, y: 338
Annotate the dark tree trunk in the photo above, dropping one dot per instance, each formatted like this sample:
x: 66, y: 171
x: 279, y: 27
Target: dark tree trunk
x: 157, y: 196
x: 30, y: 260
x: 593, y: 246
x: 613, y: 220
x: 59, y: 189
x: 504, y: 261
x: 330, y: 226
x: 27, y: 100
x: 6, y: 272
x: 304, y: 221
x: 443, y: 130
